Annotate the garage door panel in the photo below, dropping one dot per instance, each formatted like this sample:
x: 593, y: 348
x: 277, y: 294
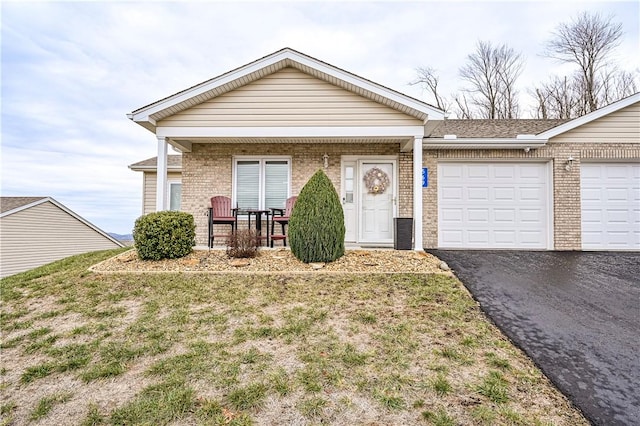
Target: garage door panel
x: 531, y: 194
x: 610, y: 206
x: 504, y: 205
x: 478, y: 236
x: 533, y: 216
x: 507, y: 216
x: 478, y: 215
x: 452, y: 215
x: 477, y: 194
x: 504, y: 194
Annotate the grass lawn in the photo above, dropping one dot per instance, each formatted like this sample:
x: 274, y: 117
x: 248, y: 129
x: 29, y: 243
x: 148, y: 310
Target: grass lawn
x: 89, y: 349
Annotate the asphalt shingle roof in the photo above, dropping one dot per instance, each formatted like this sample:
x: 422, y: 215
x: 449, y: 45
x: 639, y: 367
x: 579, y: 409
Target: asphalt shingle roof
x: 10, y: 203
x: 493, y: 128
x: 172, y: 161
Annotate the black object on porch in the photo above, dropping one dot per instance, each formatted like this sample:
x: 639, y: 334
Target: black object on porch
x: 403, y: 233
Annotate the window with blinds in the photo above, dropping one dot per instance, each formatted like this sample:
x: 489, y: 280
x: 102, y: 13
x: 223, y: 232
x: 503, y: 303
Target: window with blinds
x: 262, y: 183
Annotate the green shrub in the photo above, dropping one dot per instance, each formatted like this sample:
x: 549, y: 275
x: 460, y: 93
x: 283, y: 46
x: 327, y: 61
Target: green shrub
x: 316, y: 226
x: 164, y: 235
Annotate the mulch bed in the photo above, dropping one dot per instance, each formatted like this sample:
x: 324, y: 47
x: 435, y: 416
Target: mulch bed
x: 277, y: 261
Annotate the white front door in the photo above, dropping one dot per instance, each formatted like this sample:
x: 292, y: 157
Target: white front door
x: 377, y: 199
x: 368, y: 200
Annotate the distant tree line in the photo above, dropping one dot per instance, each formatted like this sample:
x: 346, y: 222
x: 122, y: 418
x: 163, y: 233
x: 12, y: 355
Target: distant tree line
x: 490, y: 73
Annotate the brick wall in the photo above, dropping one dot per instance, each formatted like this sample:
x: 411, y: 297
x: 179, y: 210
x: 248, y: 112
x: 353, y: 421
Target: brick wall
x: 566, y: 183
x: 207, y: 171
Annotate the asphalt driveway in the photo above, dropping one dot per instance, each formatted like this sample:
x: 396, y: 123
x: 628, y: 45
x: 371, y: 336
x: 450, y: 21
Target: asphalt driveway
x: 576, y: 314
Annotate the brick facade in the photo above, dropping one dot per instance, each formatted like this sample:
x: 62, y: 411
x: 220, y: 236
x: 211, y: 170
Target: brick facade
x: 207, y: 171
x: 566, y: 183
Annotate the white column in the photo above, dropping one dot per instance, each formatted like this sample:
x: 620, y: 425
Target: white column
x: 161, y: 187
x: 417, y: 193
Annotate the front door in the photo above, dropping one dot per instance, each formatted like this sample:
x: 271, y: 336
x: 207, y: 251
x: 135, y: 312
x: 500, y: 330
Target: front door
x: 377, y: 201
x: 368, y: 199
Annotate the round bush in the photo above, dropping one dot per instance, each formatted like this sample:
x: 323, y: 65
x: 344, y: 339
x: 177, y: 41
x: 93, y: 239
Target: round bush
x: 164, y: 235
x: 316, y: 226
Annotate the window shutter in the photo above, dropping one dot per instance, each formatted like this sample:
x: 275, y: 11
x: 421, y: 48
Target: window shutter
x: 248, y: 184
x: 276, y: 183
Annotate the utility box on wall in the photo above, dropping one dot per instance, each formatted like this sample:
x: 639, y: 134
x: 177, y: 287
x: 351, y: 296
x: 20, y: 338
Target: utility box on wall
x: 403, y: 233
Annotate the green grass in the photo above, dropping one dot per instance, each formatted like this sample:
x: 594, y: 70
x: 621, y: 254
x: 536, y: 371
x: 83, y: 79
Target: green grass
x: 236, y: 350
x: 46, y: 404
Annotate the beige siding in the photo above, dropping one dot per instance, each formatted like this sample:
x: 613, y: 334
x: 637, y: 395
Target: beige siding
x: 150, y: 184
x: 617, y: 127
x: 289, y: 98
x: 43, y: 234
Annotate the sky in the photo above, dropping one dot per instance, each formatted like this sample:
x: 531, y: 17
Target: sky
x: 71, y: 71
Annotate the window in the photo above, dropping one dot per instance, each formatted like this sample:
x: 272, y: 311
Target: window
x: 175, y: 195
x: 261, y: 183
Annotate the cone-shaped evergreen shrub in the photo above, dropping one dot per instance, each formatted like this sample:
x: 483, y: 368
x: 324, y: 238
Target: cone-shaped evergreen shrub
x: 164, y: 235
x: 316, y: 226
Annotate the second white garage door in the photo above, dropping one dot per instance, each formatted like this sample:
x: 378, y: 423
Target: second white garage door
x: 493, y: 205
x: 610, y: 195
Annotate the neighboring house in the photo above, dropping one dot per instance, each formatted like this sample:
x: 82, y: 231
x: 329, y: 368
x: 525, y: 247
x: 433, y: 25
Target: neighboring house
x: 149, y: 169
x: 258, y: 133
x: 38, y: 230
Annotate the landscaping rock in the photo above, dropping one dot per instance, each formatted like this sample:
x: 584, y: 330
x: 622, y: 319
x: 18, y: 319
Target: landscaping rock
x: 444, y: 266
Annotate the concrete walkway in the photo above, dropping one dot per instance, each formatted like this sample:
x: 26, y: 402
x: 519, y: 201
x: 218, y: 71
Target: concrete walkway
x: 576, y: 314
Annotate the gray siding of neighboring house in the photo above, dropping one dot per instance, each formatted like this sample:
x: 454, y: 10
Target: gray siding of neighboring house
x: 42, y: 234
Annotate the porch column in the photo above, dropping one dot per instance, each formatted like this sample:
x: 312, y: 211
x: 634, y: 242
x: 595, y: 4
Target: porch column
x: 417, y: 193
x: 161, y: 187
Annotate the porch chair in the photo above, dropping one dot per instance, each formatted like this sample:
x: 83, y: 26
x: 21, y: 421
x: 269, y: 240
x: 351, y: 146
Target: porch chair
x: 221, y: 213
x: 283, y: 219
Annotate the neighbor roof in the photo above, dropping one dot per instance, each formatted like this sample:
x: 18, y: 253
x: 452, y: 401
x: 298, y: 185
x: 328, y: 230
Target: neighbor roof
x: 148, y: 115
x: 173, y: 162
x: 492, y: 128
x: 12, y: 203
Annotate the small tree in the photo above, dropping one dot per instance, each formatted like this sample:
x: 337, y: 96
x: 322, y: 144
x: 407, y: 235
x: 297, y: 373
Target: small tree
x: 316, y: 226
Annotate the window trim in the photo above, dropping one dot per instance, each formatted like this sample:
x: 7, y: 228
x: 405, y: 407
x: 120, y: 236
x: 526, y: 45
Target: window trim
x: 262, y: 159
x: 169, y: 183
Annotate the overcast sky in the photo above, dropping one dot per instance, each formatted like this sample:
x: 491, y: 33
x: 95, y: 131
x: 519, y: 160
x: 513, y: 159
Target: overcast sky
x: 71, y: 71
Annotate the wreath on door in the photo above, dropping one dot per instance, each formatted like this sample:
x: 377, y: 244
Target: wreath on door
x: 376, y: 181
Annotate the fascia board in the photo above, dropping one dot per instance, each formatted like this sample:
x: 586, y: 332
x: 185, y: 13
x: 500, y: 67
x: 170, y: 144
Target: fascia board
x: 291, y: 132
x: 599, y: 113
x: 483, y: 143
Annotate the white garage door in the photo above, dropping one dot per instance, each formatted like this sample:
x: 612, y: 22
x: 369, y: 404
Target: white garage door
x: 493, y: 205
x: 610, y: 195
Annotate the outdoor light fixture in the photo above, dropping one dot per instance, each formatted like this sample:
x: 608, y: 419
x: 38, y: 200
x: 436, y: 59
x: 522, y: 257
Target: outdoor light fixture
x: 569, y: 164
x: 325, y: 160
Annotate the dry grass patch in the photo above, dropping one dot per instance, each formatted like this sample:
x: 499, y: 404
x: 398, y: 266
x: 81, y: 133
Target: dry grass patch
x: 239, y: 350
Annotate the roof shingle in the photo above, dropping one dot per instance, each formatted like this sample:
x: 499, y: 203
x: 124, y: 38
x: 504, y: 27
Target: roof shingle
x: 10, y: 203
x: 493, y: 128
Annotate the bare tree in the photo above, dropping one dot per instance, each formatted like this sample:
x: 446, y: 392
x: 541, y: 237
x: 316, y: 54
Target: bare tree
x: 587, y: 42
x: 491, y: 73
x: 560, y: 97
x: 463, y: 111
x: 428, y: 78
